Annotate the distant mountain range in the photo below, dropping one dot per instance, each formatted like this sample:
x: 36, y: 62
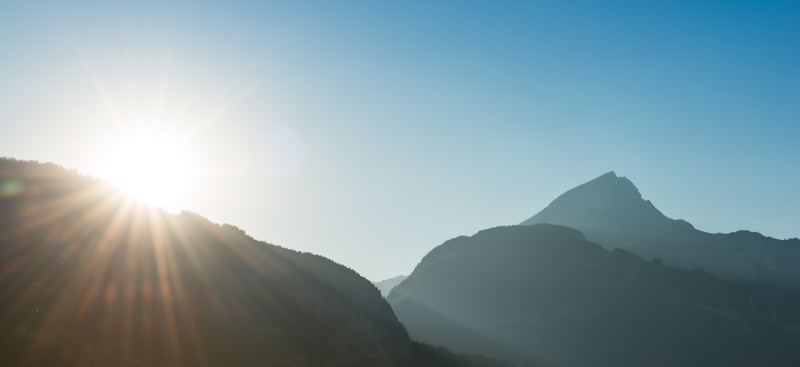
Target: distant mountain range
x: 90, y: 277
x: 609, y: 210
x: 543, y: 293
x: 386, y: 285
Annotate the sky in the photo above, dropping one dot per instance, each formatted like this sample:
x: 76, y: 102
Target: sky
x: 371, y: 132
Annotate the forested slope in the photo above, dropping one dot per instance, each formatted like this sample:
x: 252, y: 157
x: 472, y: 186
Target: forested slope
x: 91, y: 277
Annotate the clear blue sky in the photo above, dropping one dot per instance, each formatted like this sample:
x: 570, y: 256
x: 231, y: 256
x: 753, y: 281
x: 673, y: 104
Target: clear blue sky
x: 420, y: 121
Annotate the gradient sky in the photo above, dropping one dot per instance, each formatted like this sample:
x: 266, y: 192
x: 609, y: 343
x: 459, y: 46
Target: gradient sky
x: 419, y: 121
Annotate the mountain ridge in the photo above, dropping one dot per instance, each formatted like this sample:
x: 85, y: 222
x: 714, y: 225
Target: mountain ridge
x: 90, y: 276
x: 598, y: 209
x: 768, y: 266
x: 543, y: 293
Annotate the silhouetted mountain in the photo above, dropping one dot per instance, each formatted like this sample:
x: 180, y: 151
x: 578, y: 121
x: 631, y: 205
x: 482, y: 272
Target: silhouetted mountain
x: 91, y: 277
x: 543, y: 292
x: 386, y: 285
x: 610, y: 211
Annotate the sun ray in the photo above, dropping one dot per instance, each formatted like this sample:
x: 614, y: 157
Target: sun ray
x: 160, y: 247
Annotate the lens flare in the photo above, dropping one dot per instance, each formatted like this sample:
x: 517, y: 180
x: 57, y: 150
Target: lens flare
x: 10, y: 188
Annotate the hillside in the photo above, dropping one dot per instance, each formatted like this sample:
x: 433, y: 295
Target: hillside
x: 609, y: 210
x: 91, y: 277
x: 543, y: 293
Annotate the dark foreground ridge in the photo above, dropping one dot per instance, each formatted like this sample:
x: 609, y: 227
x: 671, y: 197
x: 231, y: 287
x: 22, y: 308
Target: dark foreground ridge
x: 609, y: 210
x: 544, y: 293
x: 90, y: 277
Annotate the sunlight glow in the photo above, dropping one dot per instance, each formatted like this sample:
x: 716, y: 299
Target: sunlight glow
x: 152, y: 168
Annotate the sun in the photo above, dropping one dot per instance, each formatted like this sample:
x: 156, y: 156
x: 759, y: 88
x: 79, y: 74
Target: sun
x: 152, y: 168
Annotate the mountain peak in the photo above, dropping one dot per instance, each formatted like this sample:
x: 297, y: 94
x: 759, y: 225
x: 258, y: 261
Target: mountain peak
x: 609, y: 174
x: 599, y: 193
x: 608, y: 201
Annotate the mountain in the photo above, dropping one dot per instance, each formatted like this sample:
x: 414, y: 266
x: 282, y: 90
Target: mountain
x: 609, y: 210
x: 544, y: 293
x: 91, y: 277
x: 386, y: 285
